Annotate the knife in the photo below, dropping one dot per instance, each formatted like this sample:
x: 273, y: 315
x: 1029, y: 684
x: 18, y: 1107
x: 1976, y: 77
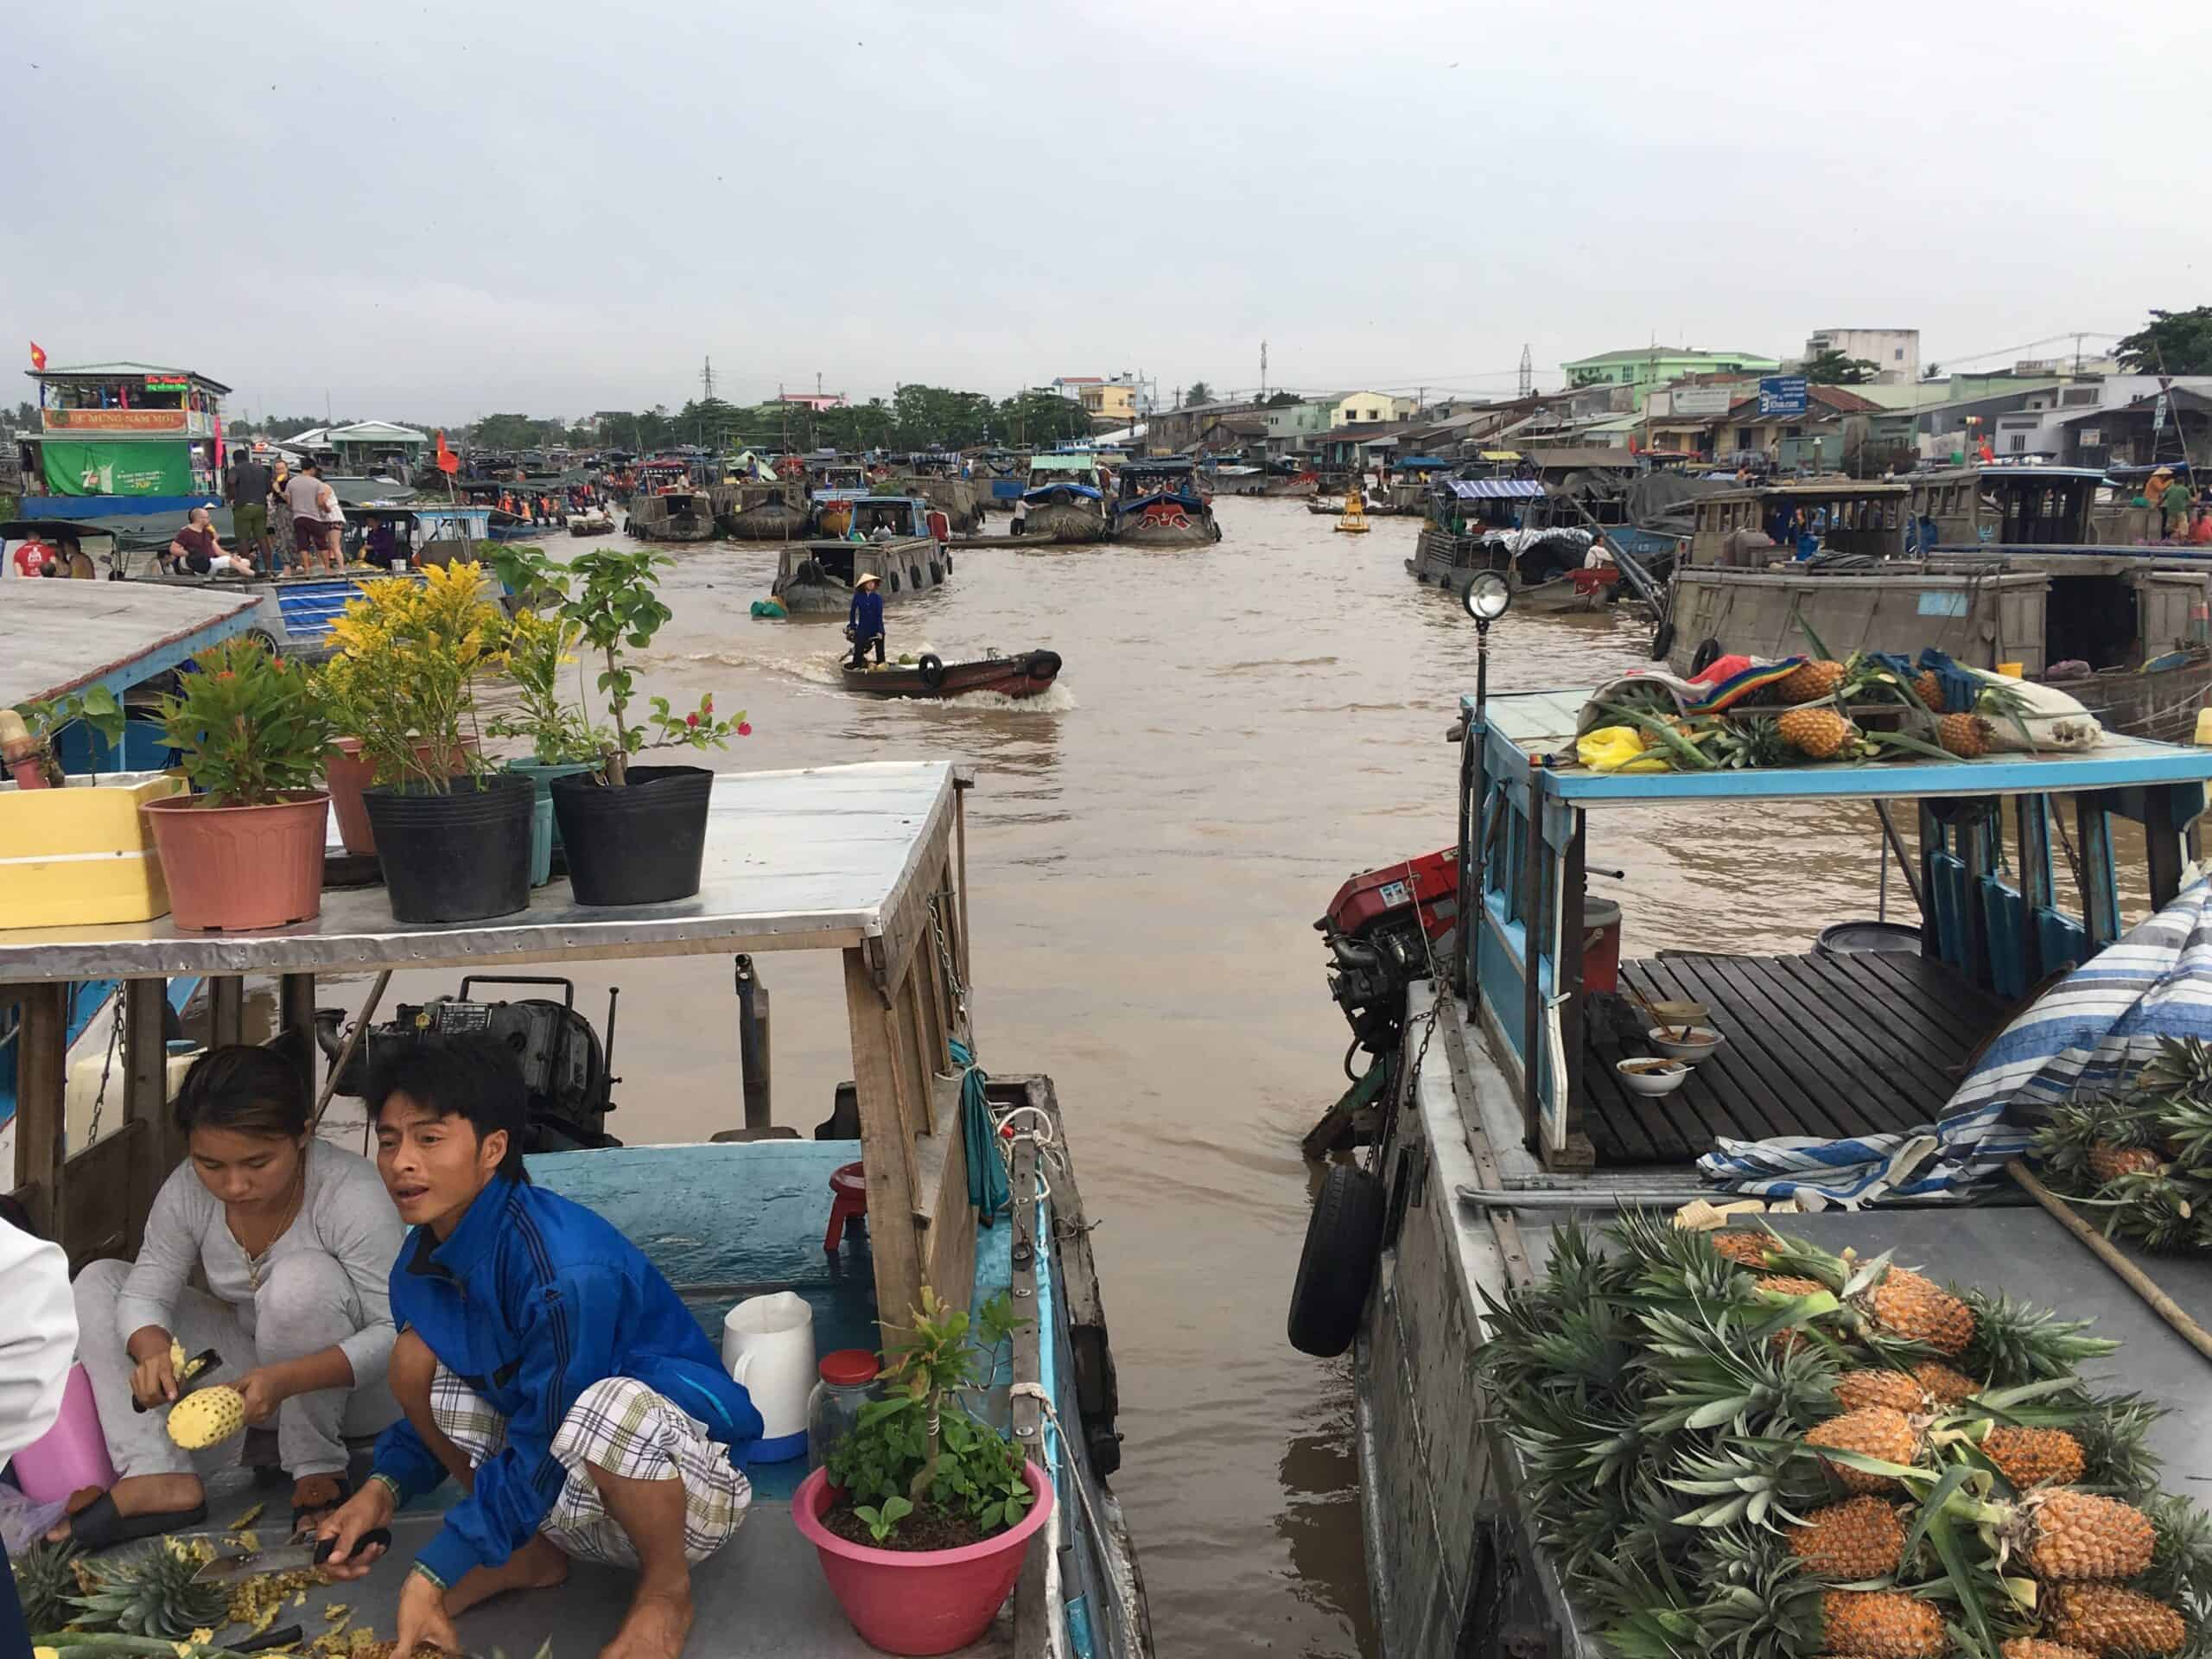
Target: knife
x: 208, y: 1362
x: 285, y: 1558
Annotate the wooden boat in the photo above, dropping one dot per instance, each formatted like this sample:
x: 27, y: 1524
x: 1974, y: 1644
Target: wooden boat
x: 1519, y: 1117
x: 928, y: 676
x: 867, y: 862
x: 1159, y: 504
x: 591, y: 521
x: 760, y: 510
x: 901, y: 546
x: 1066, y: 500
x: 673, y: 515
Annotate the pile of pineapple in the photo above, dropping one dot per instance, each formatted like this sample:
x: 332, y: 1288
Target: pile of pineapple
x: 2141, y: 1160
x: 1740, y: 1445
x: 1806, y: 716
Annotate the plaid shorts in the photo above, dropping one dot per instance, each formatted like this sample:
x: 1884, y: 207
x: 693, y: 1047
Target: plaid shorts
x: 624, y: 1428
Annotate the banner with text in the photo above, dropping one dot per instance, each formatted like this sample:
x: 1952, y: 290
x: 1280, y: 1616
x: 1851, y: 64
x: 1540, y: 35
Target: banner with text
x: 117, y: 466
x: 115, y: 420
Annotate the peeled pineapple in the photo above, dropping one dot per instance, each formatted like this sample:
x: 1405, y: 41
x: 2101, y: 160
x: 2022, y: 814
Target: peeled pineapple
x: 207, y: 1418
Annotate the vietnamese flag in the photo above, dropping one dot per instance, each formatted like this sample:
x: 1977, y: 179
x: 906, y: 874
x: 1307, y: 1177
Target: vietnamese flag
x: 38, y: 357
x: 449, y: 462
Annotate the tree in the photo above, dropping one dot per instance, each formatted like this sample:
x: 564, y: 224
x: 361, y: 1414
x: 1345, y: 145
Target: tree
x: 1282, y: 400
x: 1832, y: 368
x: 1933, y: 371
x: 2172, y: 342
x: 1199, y: 393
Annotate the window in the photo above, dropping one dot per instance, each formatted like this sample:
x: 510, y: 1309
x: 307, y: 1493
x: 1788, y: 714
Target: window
x: 2019, y: 442
x: 1898, y: 357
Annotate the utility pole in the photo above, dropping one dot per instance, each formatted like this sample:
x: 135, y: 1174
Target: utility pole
x: 1527, y: 372
x: 1264, y: 371
x: 707, y: 382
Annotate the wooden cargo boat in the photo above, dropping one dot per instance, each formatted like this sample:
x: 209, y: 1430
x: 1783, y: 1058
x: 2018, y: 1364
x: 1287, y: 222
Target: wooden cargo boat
x: 1066, y: 500
x: 675, y: 514
x: 1159, y: 504
x: 1029, y: 674
x: 762, y: 510
x: 1488, y: 960
x: 1470, y: 528
x: 896, y: 539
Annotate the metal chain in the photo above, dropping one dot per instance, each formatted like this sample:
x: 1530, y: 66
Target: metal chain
x: 944, y: 960
x: 107, y: 1069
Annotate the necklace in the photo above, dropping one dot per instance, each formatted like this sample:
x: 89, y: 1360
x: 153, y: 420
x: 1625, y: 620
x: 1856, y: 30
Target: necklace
x: 256, y: 1261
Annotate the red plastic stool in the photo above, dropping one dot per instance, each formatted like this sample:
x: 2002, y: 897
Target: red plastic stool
x: 849, y: 1185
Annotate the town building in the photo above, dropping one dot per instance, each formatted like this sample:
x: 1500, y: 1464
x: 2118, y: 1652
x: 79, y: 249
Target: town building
x: 1640, y: 371
x: 364, y: 447
x: 1208, y: 428
x: 1291, y: 427
x: 817, y: 401
x: 1895, y: 353
x: 1109, y: 402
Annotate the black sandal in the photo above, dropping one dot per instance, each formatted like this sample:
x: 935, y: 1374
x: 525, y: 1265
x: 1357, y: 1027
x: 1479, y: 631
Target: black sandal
x: 305, y: 1519
x: 99, y: 1524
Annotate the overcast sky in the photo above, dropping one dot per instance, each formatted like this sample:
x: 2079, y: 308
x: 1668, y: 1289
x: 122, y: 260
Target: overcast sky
x: 440, y: 212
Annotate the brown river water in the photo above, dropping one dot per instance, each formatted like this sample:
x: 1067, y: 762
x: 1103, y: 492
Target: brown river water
x: 1237, y: 730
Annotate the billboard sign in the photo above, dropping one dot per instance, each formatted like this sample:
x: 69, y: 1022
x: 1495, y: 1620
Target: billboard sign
x: 113, y: 420
x: 1782, y: 394
x: 1700, y: 402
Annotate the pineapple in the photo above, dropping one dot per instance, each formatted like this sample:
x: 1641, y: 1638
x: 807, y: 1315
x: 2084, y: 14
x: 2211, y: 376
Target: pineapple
x: 1929, y: 690
x: 207, y: 1418
x: 1859, y: 1538
x: 1946, y: 1383
x: 2074, y: 1535
x: 2035, y: 1457
x: 2034, y: 1647
x: 1810, y: 681
x: 1899, y: 1390
x: 154, y: 1594
x: 2112, y: 1618
x: 1782, y: 1284
x: 1744, y: 1249
x: 1906, y: 1305
x: 1881, y: 1625
x: 1819, y: 734
x: 1964, y: 735
x: 2109, y: 1163
x: 1875, y: 1432
x: 45, y: 1583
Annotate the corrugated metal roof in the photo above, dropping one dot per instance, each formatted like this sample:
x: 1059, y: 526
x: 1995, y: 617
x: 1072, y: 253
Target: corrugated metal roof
x: 1494, y: 489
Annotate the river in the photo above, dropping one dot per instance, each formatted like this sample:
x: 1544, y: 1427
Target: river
x: 1236, y: 730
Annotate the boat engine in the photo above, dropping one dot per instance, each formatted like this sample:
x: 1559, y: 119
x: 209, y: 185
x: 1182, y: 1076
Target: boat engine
x: 564, y: 1065
x: 1382, y: 929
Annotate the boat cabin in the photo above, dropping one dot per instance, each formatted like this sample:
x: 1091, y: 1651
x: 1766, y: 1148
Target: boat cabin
x: 379, y: 532
x: 1868, y: 1031
x: 1049, y: 472
x: 133, y: 430
x: 1757, y: 525
x: 1997, y: 505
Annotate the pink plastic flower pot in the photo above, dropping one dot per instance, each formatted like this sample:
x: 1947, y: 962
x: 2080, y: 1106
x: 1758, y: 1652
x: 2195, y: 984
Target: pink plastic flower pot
x: 71, y: 1455
x: 241, y: 868
x: 921, y: 1601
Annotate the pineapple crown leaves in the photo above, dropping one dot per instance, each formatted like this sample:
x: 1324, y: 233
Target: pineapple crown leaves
x: 1758, y: 1481
x: 2180, y: 1559
x: 1716, y: 1371
x: 2015, y: 1342
x: 152, y: 1594
x: 1758, y: 1605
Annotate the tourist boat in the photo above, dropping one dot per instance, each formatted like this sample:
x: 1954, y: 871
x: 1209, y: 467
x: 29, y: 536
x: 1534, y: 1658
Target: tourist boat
x: 1487, y: 985
x: 866, y: 862
x: 2000, y: 569
x: 1029, y: 674
x: 899, y: 540
x: 676, y: 513
x: 1066, y: 500
x: 1157, y: 503
x: 762, y: 510
x: 1470, y: 529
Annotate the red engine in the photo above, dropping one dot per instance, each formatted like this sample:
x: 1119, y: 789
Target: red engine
x: 1383, y: 929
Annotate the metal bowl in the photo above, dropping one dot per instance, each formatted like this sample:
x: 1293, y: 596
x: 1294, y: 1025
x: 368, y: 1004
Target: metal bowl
x: 1653, y: 1081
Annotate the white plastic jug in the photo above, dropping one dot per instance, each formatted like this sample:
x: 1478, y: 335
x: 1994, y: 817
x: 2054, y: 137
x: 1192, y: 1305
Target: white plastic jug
x: 768, y: 1348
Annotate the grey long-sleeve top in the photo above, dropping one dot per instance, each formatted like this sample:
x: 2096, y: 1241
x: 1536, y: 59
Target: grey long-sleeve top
x: 345, y: 1213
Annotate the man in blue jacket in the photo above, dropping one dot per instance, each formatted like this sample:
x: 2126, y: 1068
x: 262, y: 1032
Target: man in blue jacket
x: 864, y: 619
x: 545, y: 1364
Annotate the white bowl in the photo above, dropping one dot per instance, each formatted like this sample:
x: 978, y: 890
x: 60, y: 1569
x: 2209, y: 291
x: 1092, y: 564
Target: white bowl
x: 1698, y: 1043
x: 1653, y: 1081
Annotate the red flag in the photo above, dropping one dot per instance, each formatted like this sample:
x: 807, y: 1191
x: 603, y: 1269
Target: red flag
x: 38, y: 356
x: 448, y: 462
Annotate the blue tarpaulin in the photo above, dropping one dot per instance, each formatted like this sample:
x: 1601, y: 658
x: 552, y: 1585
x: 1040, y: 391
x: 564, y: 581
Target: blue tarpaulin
x: 1494, y: 489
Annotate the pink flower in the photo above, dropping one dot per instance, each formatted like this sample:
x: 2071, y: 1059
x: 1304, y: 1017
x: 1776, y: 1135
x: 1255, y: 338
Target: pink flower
x: 745, y: 729
x: 707, y: 706
x: 690, y: 720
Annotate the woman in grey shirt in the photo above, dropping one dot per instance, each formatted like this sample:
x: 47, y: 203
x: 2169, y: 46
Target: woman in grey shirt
x: 296, y: 1239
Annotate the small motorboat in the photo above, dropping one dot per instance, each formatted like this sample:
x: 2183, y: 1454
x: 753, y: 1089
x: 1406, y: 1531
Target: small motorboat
x: 591, y: 521
x: 1329, y: 506
x: 931, y: 675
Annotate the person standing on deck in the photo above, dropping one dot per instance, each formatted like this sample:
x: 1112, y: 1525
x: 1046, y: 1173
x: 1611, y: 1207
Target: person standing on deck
x: 304, y: 496
x: 249, y: 496
x: 864, y: 621
x: 2174, y: 511
x: 546, y: 1365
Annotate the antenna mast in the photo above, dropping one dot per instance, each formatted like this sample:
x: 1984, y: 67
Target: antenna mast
x: 1527, y: 372
x: 1264, y: 371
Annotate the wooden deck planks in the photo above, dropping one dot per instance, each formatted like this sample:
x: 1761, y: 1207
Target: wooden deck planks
x: 1821, y: 1046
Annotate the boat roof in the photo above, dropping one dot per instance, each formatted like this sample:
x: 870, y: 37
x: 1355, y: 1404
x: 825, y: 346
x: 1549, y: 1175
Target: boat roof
x: 1494, y: 489
x: 1163, y: 464
x: 1998, y: 469
x: 1811, y: 489
x: 1540, y: 727
x: 70, y: 636
x: 1059, y: 463
x: 813, y: 858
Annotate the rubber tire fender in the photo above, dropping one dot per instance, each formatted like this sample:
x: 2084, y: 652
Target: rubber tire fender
x: 931, y: 668
x: 1042, y: 665
x: 1662, y: 641
x: 1344, y: 1237
x: 1709, y: 654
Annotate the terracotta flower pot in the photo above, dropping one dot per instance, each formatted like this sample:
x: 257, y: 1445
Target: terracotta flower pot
x: 919, y: 1601
x: 241, y: 868
x: 348, y: 772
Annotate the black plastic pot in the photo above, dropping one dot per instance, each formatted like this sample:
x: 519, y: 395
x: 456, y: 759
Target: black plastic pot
x: 460, y: 857
x: 640, y: 844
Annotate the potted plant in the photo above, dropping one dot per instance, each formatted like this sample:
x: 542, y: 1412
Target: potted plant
x: 633, y: 834
x: 245, y: 851
x: 922, y: 1514
x: 562, y: 741
x: 452, y: 837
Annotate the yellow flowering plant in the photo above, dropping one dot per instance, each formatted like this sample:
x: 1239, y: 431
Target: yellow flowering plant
x: 403, y: 679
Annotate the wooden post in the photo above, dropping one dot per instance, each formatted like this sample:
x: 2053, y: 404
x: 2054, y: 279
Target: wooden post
x: 1533, y: 869
x: 886, y: 1150
x: 960, y: 836
x: 2163, y: 847
x: 225, y: 1010
x: 1567, y: 974
x: 296, y: 1018
x: 2099, y: 898
x: 146, y: 1098
x: 41, y: 1129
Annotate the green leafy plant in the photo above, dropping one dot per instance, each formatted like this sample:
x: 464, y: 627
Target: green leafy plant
x: 611, y: 596
x: 921, y: 1444
x: 250, y: 727
x: 45, y: 719
x: 538, y: 647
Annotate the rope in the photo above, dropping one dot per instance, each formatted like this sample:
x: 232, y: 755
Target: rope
x: 2103, y: 1248
x: 988, y: 1189
x: 1105, y: 1556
